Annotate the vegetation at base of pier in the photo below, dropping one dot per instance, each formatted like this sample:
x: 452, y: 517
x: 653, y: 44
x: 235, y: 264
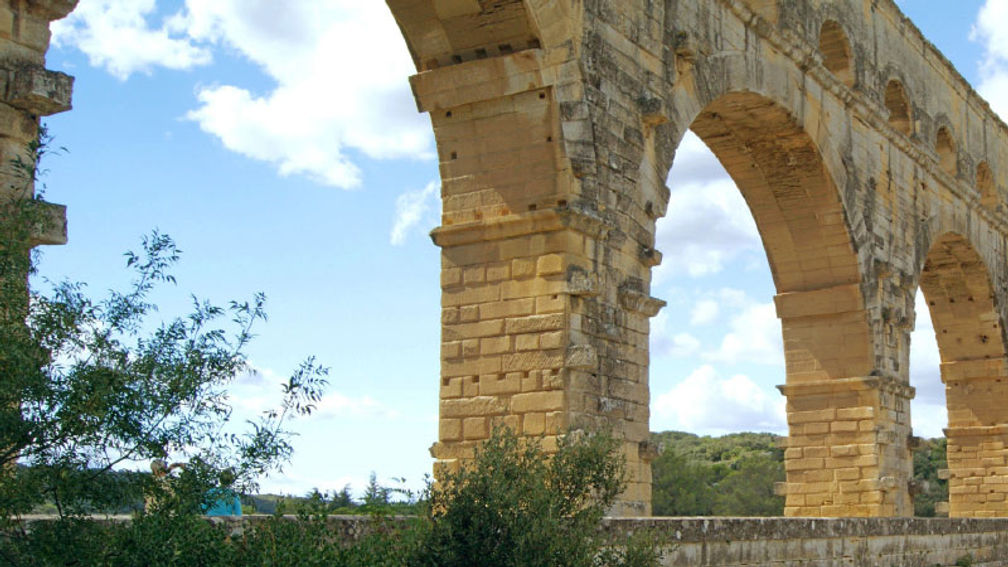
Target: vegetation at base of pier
x: 511, y: 506
x: 734, y: 475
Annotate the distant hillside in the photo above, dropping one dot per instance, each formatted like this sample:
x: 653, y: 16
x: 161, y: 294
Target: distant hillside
x: 734, y: 475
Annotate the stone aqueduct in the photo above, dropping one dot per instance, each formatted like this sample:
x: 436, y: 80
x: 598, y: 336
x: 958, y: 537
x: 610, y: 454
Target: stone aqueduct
x: 870, y: 166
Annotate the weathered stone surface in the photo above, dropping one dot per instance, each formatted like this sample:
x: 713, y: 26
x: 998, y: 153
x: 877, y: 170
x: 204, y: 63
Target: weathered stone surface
x: 870, y: 166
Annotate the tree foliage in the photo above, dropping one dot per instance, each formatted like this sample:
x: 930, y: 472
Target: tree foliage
x: 733, y: 475
x: 92, y: 385
x: 929, y: 457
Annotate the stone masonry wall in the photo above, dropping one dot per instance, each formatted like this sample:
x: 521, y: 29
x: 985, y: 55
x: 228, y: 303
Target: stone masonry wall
x: 788, y: 542
x: 29, y: 91
x: 871, y: 168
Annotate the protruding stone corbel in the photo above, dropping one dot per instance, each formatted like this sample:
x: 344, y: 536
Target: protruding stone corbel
x: 35, y: 89
x: 52, y: 9
x: 581, y: 357
x: 636, y: 301
x: 652, y: 110
x: 648, y: 451
x: 582, y: 284
x: 888, y: 483
x: 52, y: 226
x: 650, y: 257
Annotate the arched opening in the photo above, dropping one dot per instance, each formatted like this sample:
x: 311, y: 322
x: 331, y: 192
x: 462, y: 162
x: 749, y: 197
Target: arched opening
x: 898, y: 104
x: 929, y: 417
x: 971, y: 344
x: 802, y: 229
x: 945, y: 147
x: 985, y: 186
x: 836, y: 52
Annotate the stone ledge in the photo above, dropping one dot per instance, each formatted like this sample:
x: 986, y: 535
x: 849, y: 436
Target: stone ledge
x: 515, y: 225
x: 35, y: 89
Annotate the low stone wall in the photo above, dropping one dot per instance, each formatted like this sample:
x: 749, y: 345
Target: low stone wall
x: 817, y: 542
x: 773, y: 542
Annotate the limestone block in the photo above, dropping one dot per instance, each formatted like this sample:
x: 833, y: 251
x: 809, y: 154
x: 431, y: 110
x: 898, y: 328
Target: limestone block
x: 37, y: 90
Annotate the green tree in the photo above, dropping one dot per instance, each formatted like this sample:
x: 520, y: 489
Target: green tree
x: 90, y: 386
x: 929, y: 457
x: 731, y: 475
x: 513, y: 506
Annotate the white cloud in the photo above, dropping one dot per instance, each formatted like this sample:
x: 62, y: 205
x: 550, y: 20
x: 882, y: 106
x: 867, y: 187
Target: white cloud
x: 706, y: 403
x: 754, y: 337
x: 708, y: 224
x: 119, y: 36
x: 338, y: 406
x: 989, y: 30
x: 339, y: 69
x: 664, y: 342
x: 704, y: 312
x: 411, y: 208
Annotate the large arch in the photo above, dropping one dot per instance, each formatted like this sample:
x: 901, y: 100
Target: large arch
x: 970, y: 333
x: 799, y: 212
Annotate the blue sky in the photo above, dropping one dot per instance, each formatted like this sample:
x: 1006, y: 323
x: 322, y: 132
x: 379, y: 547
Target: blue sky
x: 283, y: 152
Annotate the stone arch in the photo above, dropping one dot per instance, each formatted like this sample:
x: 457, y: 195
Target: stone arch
x: 986, y: 186
x: 945, y: 147
x: 971, y: 341
x: 898, y: 105
x: 441, y: 34
x: 957, y: 287
x: 835, y: 48
x: 785, y: 179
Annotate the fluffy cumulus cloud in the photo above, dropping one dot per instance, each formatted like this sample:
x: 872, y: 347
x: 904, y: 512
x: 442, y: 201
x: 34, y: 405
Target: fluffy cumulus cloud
x: 708, y: 224
x: 754, y: 336
x: 413, y: 208
x: 991, y: 32
x: 339, y: 70
x: 708, y: 403
x: 122, y: 37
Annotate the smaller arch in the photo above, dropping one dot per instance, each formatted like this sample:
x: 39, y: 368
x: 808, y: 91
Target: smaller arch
x: 898, y: 104
x: 836, y: 52
x: 945, y: 147
x: 986, y: 187
x: 957, y: 286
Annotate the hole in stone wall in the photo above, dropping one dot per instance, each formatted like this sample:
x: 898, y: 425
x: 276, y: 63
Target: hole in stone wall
x: 836, y: 52
x: 898, y: 104
x: 946, y: 149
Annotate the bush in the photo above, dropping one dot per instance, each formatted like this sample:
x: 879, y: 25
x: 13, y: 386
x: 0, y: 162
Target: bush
x: 513, y: 507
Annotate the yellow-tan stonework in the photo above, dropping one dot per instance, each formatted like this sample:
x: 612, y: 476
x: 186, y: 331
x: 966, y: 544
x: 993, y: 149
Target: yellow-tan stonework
x: 29, y: 91
x: 871, y: 167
